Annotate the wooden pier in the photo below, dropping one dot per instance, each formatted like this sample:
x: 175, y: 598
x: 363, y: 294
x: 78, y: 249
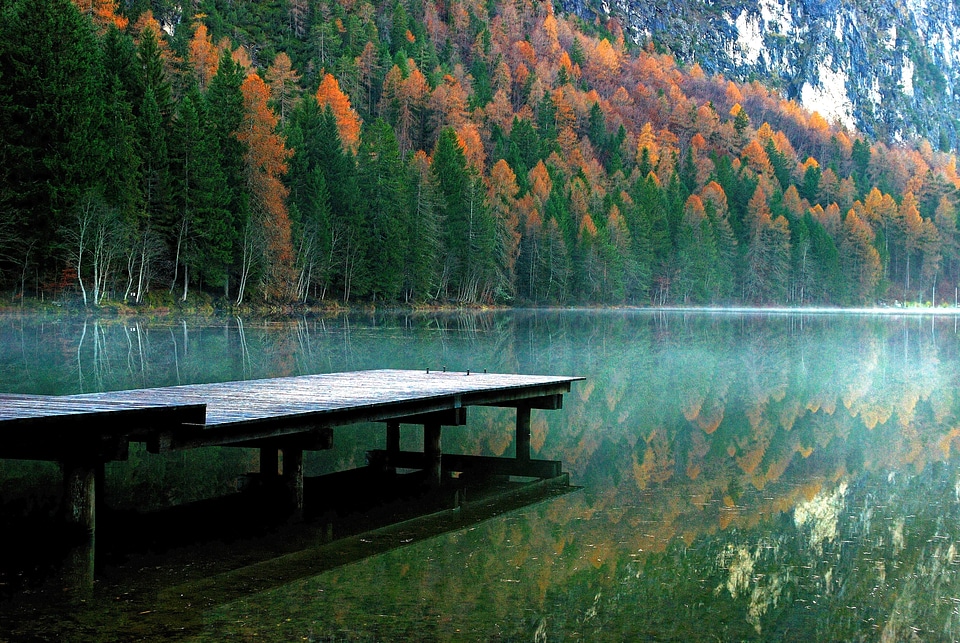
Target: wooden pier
x: 285, y: 416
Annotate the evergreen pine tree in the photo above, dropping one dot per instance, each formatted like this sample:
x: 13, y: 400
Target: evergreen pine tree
x: 382, y: 190
x: 224, y: 109
x: 51, y: 118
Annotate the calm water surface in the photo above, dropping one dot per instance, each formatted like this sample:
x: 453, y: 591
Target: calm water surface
x: 744, y: 477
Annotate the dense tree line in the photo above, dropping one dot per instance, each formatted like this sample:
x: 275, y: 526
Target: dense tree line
x: 413, y: 151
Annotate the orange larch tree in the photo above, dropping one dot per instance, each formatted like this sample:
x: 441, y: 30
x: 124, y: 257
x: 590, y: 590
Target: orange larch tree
x: 540, y: 182
x: 756, y: 158
x: 468, y: 134
x: 204, y: 57
x: 912, y: 230
x: 103, y: 13
x: 412, y: 97
x: 859, y: 260
x: 283, y: 79
x: 268, y: 236
x: 448, y: 102
x: 604, y: 65
x: 502, y: 193
x: 348, y: 122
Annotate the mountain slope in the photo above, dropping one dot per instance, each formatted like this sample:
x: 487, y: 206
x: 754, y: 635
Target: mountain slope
x: 889, y: 68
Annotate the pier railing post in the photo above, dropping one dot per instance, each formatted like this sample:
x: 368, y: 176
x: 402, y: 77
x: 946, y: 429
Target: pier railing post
x: 523, y: 432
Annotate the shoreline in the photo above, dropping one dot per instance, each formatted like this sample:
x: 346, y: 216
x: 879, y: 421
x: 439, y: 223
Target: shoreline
x: 333, y: 309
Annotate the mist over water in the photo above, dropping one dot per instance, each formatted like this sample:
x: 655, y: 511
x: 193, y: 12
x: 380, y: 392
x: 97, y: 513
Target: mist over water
x: 745, y: 476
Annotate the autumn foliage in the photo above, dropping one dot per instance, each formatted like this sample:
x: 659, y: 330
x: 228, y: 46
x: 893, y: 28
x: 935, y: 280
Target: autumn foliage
x: 348, y: 123
x: 266, y: 162
x: 587, y: 170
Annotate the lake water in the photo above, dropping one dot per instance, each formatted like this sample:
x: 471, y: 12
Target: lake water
x: 755, y: 477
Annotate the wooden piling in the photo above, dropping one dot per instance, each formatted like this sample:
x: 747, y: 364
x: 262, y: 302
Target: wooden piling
x: 79, y: 495
x: 293, y: 480
x: 393, y: 444
x: 431, y: 452
x: 523, y: 432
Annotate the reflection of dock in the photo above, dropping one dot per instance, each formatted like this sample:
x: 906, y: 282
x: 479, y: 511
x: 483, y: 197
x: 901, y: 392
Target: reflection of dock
x: 277, y: 416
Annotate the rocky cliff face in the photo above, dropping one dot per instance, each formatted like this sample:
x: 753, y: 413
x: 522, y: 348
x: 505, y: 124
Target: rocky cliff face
x: 887, y: 67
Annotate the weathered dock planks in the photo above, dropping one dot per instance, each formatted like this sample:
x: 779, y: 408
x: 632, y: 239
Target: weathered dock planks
x: 344, y: 398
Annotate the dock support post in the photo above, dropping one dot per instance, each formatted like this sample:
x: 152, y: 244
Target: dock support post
x: 431, y: 452
x: 393, y: 444
x: 79, y: 493
x: 80, y: 514
x: 293, y: 480
x: 523, y: 433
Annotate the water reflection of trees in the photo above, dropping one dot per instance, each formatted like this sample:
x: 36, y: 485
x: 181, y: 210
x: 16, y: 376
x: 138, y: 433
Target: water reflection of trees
x: 749, y: 479
x: 729, y: 426
x: 711, y: 408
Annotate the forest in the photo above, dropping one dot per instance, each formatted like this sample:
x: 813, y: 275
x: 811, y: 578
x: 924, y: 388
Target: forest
x: 421, y: 152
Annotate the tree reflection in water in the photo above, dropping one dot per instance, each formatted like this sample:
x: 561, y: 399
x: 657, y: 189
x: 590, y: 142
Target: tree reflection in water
x: 746, y: 476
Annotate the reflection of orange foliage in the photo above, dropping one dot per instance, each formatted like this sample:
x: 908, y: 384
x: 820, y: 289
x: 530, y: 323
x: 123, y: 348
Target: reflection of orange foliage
x: 710, y: 419
x: 727, y: 516
x: 498, y: 441
x: 559, y: 545
x: 538, y: 432
x: 698, y: 449
x: 784, y: 503
x: 789, y: 414
x: 873, y: 413
x: 644, y: 543
x: 908, y: 404
x: 600, y: 554
x: 780, y: 464
x: 614, y: 394
x: 584, y: 392
x: 544, y: 582
x: 947, y: 440
x: 658, y: 461
x: 690, y: 406
x: 811, y: 489
x: 749, y: 461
